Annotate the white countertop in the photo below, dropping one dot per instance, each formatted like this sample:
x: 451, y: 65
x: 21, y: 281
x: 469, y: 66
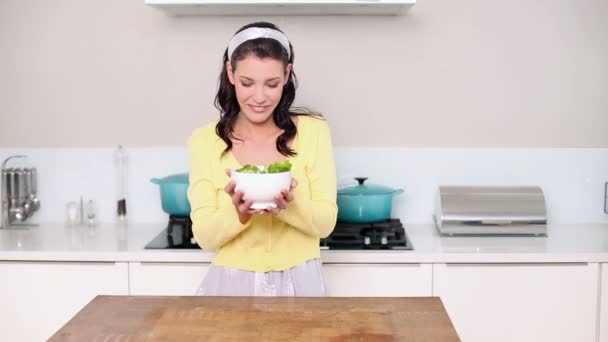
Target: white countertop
x: 112, y: 243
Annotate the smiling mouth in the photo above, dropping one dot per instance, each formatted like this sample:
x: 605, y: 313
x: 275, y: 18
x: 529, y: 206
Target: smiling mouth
x: 258, y: 109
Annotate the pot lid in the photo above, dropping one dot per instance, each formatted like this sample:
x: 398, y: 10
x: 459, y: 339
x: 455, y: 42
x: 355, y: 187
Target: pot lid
x: 178, y: 178
x: 365, y: 189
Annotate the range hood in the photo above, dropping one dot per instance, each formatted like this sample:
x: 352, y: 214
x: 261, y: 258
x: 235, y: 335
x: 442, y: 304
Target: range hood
x: 490, y: 210
x: 284, y: 7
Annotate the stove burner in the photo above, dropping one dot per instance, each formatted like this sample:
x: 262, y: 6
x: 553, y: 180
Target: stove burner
x: 182, y: 221
x: 178, y: 235
x: 378, y: 235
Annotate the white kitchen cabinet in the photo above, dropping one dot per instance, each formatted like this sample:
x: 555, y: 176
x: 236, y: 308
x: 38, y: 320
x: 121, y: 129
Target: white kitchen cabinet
x: 603, y: 328
x: 38, y: 298
x: 166, y: 279
x: 520, y: 302
x: 378, y: 280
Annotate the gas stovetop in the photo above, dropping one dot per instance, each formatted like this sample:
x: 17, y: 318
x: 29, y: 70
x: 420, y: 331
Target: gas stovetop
x: 388, y: 234
x: 384, y: 235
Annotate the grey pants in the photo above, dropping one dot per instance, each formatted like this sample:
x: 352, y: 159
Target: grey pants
x: 304, y: 280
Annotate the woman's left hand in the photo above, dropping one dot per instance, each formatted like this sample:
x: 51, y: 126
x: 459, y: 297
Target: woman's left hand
x: 282, y: 199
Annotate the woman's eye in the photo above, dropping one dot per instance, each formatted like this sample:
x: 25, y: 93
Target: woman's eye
x: 246, y: 84
x: 273, y: 85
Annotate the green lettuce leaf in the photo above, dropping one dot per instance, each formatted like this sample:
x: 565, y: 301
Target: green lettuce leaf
x: 272, y: 168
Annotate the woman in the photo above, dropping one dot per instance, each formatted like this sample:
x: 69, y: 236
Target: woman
x: 274, y: 251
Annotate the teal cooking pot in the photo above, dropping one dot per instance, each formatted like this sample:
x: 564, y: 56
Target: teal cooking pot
x: 365, y: 203
x: 174, y: 194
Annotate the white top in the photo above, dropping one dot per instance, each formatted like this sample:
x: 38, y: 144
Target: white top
x: 107, y: 242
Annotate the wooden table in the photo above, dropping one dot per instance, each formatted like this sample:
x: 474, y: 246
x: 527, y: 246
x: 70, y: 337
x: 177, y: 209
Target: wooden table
x: 137, y: 318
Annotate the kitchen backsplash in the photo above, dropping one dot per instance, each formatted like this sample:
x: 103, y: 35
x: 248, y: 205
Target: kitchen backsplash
x: 572, y: 179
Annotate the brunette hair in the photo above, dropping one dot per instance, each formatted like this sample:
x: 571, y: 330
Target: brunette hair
x: 226, y: 101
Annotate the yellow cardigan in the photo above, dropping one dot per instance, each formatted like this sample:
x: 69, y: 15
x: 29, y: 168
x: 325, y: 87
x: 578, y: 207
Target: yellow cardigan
x: 265, y: 242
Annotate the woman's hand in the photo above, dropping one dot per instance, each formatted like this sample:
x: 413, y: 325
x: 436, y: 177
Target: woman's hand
x: 282, y: 199
x: 243, y: 208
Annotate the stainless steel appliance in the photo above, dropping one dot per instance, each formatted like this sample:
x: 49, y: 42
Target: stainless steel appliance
x: 490, y: 210
x: 383, y: 235
x: 19, y: 194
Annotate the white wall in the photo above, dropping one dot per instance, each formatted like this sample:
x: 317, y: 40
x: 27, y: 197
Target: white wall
x: 458, y: 92
x: 469, y: 73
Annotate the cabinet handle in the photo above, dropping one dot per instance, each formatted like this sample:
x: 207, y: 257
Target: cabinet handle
x: 505, y: 264
x: 170, y: 263
x: 61, y: 262
x: 372, y: 264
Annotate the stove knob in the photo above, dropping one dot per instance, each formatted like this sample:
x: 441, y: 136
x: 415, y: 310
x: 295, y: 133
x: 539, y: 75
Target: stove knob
x: 367, y: 240
x: 384, y: 240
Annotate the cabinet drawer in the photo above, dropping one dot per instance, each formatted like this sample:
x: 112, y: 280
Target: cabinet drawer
x: 166, y: 279
x: 378, y: 280
x: 520, y: 302
x: 38, y: 298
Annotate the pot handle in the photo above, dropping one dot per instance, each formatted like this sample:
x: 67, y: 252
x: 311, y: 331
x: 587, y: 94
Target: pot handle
x: 361, y: 180
x: 155, y: 180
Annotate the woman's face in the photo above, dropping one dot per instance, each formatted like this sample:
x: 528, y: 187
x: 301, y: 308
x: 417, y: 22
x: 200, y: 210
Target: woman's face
x: 259, y: 86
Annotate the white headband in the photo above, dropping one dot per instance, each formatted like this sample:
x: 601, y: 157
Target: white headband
x: 254, y: 33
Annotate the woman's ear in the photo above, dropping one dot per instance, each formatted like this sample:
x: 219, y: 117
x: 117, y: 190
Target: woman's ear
x: 287, y: 73
x: 229, y: 72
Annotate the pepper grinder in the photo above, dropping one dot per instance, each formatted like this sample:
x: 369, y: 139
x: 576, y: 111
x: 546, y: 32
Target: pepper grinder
x: 120, y: 163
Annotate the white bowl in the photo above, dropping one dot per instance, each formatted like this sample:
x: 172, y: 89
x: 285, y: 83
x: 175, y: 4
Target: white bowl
x: 261, y: 187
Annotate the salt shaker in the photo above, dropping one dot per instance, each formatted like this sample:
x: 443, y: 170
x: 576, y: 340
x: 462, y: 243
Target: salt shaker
x: 72, y: 213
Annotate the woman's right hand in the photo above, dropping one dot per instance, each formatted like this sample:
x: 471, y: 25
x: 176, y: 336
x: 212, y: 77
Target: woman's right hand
x: 243, y: 208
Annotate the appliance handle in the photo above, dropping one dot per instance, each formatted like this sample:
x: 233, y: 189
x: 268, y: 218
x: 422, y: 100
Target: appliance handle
x: 488, y: 222
x: 606, y: 197
x: 495, y: 222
